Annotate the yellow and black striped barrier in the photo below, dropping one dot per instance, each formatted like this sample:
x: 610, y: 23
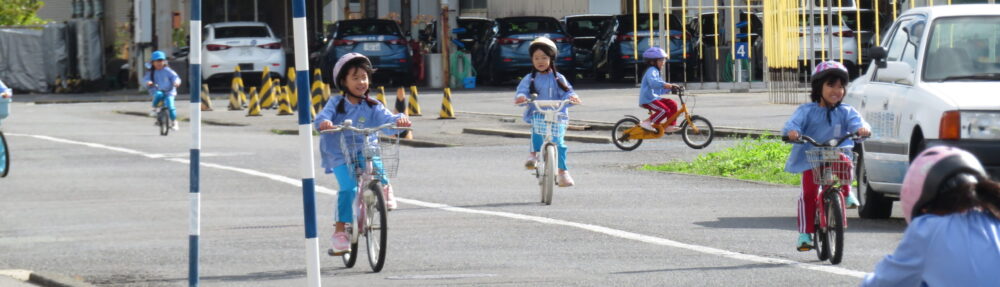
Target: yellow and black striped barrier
x: 253, y: 110
x: 284, y: 106
x: 380, y: 96
x: 267, y: 90
x: 206, y: 99
x: 413, y: 108
x: 447, y: 112
x: 237, y: 95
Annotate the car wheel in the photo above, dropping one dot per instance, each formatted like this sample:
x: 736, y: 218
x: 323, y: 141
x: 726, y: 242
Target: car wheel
x: 873, y: 204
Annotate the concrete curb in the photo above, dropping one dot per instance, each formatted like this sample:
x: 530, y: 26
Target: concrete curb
x: 598, y: 125
x: 522, y: 134
x: 47, y: 279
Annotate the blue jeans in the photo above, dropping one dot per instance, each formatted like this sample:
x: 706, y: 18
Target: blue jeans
x: 536, y: 146
x: 168, y: 101
x: 348, y: 188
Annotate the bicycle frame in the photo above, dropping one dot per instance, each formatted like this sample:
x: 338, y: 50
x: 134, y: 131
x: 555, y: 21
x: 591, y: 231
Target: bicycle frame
x: 638, y: 133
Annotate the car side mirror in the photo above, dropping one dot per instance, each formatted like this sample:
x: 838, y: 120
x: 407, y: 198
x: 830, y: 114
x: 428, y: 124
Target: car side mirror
x: 896, y: 72
x: 878, y: 53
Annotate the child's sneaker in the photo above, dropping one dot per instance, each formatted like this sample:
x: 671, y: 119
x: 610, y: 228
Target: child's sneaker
x: 646, y: 125
x: 852, y: 201
x: 532, y: 162
x: 671, y: 129
x: 153, y: 112
x: 805, y: 242
x: 565, y: 180
x: 341, y: 244
x: 390, y: 199
x: 174, y: 126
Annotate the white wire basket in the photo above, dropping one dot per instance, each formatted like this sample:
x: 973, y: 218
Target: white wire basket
x: 549, y: 122
x: 830, y: 165
x: 382, y: 150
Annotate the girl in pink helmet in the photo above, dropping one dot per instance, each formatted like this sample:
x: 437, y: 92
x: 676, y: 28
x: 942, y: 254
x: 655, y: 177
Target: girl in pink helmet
x: 954, y: 234
x: 823, y: 119
x: 351, y: 75
x: 653, y: 85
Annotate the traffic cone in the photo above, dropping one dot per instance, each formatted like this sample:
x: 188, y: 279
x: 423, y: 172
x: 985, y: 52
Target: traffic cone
x: 380, y: 95
x: 414, y: 107
x: 284, y: 107
x: 447, y: 113
x: 237, y: 96
x: 326, y: 93
x: 401, y: 102
x: 253, y: 110
x: 267, y: 90
x: 317, y: 92
x: 206, y: 99
x: 293, y: 98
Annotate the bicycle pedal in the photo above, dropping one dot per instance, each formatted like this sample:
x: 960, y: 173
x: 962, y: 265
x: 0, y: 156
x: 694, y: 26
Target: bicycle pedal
x: 804, y: 248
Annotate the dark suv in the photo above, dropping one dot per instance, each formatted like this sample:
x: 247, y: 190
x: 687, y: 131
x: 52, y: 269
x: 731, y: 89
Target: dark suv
x: 380, y: 40
x: 507, y: 56
x: 615, y: 56
x: 584, y: 29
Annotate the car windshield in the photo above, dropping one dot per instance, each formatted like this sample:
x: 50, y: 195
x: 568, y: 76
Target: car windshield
x: 625, y: 23
x: 366, y: 28
x: 242, y: 32
x: 963, y: 49
x: 529, y: 26
x: 473, y: 28
x: 584, y: 27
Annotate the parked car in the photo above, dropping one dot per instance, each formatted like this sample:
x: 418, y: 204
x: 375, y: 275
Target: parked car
x: 829, y: 38
x: 934, y: 82
x: 249, y: 45
x: 584, y: 30
x: 472, y: 32
x: 382, y: 41
x: 615, y: 56
x: 507, y: 50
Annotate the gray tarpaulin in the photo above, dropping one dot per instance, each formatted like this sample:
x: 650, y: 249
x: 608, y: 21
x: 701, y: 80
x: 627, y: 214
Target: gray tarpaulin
x: 89, y: 52
x: 32, y: 58
x: 21, y: 59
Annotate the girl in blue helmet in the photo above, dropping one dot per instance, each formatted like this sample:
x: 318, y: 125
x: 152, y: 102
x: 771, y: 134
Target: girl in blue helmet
x: 163, y: 78
x: 652, y: 86
x: 823, y: 119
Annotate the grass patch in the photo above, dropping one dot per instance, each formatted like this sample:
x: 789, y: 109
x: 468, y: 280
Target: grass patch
x: 760, y: 159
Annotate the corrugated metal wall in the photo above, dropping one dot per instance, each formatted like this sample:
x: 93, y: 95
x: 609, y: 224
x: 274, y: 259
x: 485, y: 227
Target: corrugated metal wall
x: 552, y: 8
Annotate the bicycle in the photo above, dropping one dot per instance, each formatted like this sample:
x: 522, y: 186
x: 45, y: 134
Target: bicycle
x: 370, y: 157
x: 832, y: 170
x: 162, y: 112
x: 549, y: 121
x: 5, y: 100
x: 696, y: 130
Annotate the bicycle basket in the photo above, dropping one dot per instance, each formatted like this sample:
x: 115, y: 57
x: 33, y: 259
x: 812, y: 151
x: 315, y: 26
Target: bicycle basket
x: 383, y: 152
x: 549, y: 122
x: 829, y: 165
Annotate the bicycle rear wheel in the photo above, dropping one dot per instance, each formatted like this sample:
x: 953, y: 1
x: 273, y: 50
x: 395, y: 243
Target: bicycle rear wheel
x: 700, y: 138
x: 376, y: 223
x: 164, y: 119
x: 620, y: 139
x: 549, y: 174
x: 835, y: 225
x: 4, y: 156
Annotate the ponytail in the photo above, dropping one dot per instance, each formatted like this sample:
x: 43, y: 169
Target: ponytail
x: 988, y: 192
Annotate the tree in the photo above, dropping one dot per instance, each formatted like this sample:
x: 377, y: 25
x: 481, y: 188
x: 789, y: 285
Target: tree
x: 20, y: 12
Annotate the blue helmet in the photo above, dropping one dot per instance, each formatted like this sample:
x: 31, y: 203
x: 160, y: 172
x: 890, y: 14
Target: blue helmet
x: 159, y: 55
x: 653, y: 53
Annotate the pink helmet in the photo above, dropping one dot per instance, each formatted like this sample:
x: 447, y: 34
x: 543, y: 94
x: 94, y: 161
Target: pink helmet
x: 936, y: 170
x: 340, y: 65
x: 826, y: 68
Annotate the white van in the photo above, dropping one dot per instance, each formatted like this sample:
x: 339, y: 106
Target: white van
x: 934, y: 80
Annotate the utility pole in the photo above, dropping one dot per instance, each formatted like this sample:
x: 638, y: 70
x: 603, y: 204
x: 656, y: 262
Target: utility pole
x: 445, y: 40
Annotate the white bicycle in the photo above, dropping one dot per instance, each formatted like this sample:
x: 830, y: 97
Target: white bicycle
x: 549, y: 121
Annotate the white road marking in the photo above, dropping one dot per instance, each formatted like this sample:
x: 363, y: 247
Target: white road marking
x: 544, y: 220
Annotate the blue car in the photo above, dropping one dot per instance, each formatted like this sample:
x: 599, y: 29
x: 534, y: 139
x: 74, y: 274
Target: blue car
x: 614, y: 55
x: 381, y: 41
x: 507, y: 48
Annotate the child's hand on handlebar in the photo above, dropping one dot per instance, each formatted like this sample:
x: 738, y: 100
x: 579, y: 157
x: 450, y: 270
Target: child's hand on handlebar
x: 520, y: 100
x: 149, y: 83
x: 326, y: 125
x: 793, y: 135
x: 864, y: 132
x: 403, y: 122
x: 575, y: 100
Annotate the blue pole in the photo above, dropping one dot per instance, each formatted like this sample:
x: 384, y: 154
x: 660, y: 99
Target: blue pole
x: 195, y: 87
x: 305, y: 135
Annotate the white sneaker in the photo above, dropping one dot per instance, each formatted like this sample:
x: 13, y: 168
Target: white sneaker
x: 646, y: 125
x: 153, y: 112
x: 565, y: 180
x: 340, y: 245
x: 532, y: 162
x: 390, y: 199
x: 174, y: 126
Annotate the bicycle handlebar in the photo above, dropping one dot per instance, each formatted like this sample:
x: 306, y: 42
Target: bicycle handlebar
x: 558, y: 104
x: 831, y: 143
x: 347, y: 126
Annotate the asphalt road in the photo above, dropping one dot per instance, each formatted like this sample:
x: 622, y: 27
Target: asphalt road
x: 95, y: 193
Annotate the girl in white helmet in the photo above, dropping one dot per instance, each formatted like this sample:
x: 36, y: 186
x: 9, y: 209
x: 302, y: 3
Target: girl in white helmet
x: 351, y: 75
x: 548, y: 84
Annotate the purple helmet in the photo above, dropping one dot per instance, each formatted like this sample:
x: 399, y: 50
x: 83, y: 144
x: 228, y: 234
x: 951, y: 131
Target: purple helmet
x: 654, y: 53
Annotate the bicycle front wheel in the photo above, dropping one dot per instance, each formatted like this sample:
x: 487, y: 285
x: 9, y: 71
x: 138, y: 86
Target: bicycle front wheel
x: 549, y: 175
x: 835, y: 225
x: 698, y: 132
x: 622, y: 140
x: 4, y: 156
x: 376, y: 222
x: 164, y: 119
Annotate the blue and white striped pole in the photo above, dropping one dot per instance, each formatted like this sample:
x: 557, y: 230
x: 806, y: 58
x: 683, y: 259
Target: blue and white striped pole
x: 305, y: 135
x: 195, y: 86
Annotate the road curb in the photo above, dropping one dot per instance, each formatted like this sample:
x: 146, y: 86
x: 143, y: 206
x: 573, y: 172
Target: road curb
x: 599, y: 125
x: 521, y: 134
x: 47, y: 279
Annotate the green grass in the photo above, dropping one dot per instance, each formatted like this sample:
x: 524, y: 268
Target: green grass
x: 762, y: 159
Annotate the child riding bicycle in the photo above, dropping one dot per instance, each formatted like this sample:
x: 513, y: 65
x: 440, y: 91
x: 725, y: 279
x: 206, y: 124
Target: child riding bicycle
x: 653, y: 85
x: 545, y: 83
x: 162, y: 77
x: 350, y: 75
x: 6, y: 94
x: 823, y: 119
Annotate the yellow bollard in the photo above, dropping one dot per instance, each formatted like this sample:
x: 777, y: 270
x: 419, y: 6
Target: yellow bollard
x: 206, y: 100
x: 317, y: 94
x: 284, y: 107
x: 447, y: 113
x: 237, y: 96
x: 254, y: 107
x: 267, y: 90
x: 380, y: 96
x: 414, y: 107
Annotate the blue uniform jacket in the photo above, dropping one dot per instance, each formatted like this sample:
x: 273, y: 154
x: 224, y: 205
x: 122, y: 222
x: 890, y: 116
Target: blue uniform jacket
x: 164, y: 79
x: 361, y: 115
x: 651, y: 87
x: 547, y: 89
x: 811, y: 120
x: 958, y: 249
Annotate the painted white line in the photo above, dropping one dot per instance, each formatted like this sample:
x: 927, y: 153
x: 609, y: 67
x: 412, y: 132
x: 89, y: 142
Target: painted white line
x: 544, y: 220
